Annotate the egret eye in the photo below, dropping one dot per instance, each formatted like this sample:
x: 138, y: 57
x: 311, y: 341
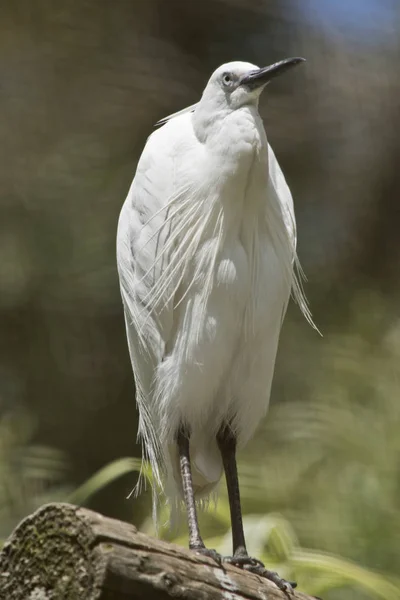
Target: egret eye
x: 227, y: 78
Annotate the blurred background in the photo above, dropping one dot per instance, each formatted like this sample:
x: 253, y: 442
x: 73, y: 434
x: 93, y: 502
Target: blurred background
x: 82, y: 84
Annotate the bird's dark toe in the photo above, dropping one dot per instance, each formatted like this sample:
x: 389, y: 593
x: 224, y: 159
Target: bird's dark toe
x: 282, y: 584
x: 242, y: 560
x: 253, y: 565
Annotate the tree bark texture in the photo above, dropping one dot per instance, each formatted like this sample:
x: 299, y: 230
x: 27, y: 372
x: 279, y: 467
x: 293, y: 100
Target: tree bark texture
x: 66, y: 552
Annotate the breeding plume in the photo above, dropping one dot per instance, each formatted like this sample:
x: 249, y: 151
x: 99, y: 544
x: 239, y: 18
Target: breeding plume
x: 206, y: 251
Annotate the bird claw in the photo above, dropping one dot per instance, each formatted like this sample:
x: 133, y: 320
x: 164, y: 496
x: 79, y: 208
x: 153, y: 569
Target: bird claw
x: 243, y: 561
x: 253, y: 565
x: 210, y: 553
x: 285, y: 586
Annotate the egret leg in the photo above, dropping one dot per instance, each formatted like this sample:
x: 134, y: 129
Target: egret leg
x: 195, y: 540
x: 227, y: 445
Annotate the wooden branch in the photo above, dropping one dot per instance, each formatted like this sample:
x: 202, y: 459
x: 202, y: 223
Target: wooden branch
x: 65, y: 552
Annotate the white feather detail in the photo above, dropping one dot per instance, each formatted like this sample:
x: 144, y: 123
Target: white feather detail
x: 278, y: 182
x: 179, y: 113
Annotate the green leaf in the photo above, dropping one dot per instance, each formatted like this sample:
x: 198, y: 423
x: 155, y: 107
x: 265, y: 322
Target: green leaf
x: 104, y: 477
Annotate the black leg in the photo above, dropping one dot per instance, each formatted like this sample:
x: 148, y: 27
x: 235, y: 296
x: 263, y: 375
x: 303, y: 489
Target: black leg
x: 227, y: 445
x: 195, y: 540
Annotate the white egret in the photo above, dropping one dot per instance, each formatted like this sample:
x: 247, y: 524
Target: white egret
x: 206, y: 251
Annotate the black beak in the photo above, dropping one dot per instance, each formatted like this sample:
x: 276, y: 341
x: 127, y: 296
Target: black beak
x: 260, y: 77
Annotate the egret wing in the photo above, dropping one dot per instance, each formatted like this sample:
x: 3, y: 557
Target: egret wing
x: 279, y: 190
x: 278, y: 182
x: 142, y: 239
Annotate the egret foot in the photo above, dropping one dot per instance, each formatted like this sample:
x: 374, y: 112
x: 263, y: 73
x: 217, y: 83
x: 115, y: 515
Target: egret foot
x: 286, y: 586
x: 256, y: 566
x: 243, y: 560
x: 208, y: 552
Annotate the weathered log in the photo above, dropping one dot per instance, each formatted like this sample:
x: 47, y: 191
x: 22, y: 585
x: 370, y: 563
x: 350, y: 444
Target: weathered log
x: 65, y: 552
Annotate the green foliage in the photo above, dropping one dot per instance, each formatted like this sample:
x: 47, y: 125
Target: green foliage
x: 30, y: 474
x: 272, y: 538
x: 103, y: 478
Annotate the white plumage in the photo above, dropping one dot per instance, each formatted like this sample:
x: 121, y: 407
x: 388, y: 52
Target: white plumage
x: 206, y: 250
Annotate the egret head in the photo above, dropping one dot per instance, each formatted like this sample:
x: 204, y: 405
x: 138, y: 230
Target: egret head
x: 239, y: 83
